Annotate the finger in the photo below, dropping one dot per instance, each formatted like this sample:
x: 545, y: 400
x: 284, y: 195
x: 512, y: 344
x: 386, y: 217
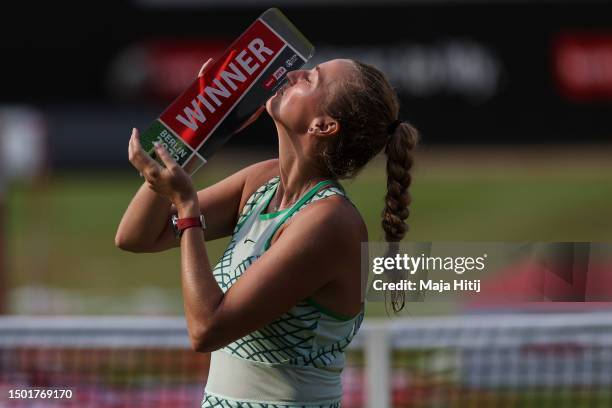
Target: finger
x: 146, y: 166
x: 135, y: 155
x: 130, y: 145
x: 131, y: 149
x: 203, y: 69
x: 165, y: 157
x: 141, y: 159
x: 135, y: 139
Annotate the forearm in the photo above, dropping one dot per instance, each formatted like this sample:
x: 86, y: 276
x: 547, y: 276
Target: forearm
x: 201, y: 293
x: 145, y: 218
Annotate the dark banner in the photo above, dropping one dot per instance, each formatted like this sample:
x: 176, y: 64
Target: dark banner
x: 466, y: 72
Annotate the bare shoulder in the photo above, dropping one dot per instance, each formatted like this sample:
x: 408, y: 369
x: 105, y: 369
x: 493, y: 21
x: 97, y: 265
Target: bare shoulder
x: 340, y: 214
x: 334, y: 221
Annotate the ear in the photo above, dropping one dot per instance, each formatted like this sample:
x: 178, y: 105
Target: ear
x: 324, y: 126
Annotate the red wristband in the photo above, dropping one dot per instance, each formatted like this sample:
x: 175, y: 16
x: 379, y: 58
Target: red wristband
x: 184, y: 223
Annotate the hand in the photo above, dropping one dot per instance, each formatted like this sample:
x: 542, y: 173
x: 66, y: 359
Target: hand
x: 170, y: 181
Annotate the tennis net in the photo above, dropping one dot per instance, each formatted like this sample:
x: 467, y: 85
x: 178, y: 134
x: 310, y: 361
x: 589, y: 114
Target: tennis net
x: 533, y: 360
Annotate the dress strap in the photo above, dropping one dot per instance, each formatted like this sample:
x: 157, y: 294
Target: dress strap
x: 254, y: 199
x: 297, y: 206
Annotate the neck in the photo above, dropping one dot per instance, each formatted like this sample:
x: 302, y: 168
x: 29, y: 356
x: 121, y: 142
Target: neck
x: 298, y: 172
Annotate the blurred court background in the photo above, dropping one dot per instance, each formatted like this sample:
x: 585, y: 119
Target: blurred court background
x: 514, y: 102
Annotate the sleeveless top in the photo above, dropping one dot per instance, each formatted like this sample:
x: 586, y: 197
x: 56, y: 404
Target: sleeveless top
x: 296, y: 360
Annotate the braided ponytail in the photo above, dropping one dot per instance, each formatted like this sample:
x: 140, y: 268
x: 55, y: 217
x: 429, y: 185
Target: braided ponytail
x: 399, y: 162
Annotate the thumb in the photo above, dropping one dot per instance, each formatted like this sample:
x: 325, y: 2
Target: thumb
x: 165, y: 157
x: 203, y: 69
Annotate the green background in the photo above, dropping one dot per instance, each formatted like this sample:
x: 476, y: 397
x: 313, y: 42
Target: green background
x: 60, y: 230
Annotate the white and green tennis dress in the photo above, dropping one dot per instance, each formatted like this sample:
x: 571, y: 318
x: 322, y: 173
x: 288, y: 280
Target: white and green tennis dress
x: 296, y: 360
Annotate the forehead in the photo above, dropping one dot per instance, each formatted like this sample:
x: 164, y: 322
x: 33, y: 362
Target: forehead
x: 336, y: 69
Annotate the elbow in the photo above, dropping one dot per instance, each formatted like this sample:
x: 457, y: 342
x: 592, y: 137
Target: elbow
x: 201, y: 347
x: 202, y: 341
x: 124, y: 243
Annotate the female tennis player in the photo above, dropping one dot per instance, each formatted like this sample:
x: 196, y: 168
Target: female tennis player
x: 284, y: 301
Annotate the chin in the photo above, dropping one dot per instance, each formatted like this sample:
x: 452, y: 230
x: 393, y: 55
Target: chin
x: 272, y: 107
x: 269, y: 106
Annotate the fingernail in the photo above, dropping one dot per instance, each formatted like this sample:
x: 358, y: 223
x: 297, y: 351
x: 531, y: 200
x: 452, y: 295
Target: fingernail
x: 156, y: 144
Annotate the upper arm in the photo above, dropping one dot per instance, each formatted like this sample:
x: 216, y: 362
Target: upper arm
x: 312, y: 252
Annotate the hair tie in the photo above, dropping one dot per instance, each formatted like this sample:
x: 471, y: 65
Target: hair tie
x: 393, y: 126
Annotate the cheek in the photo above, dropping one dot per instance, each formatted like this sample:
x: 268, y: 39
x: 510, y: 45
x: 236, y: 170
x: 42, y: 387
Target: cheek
x: 294, y: 109
x: 297, y: 107
x: 289, y: 106
x: 294, y: 115
x: 284, y: 109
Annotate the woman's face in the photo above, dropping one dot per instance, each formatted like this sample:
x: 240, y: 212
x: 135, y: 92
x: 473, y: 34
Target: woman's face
x: 298, y: 104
